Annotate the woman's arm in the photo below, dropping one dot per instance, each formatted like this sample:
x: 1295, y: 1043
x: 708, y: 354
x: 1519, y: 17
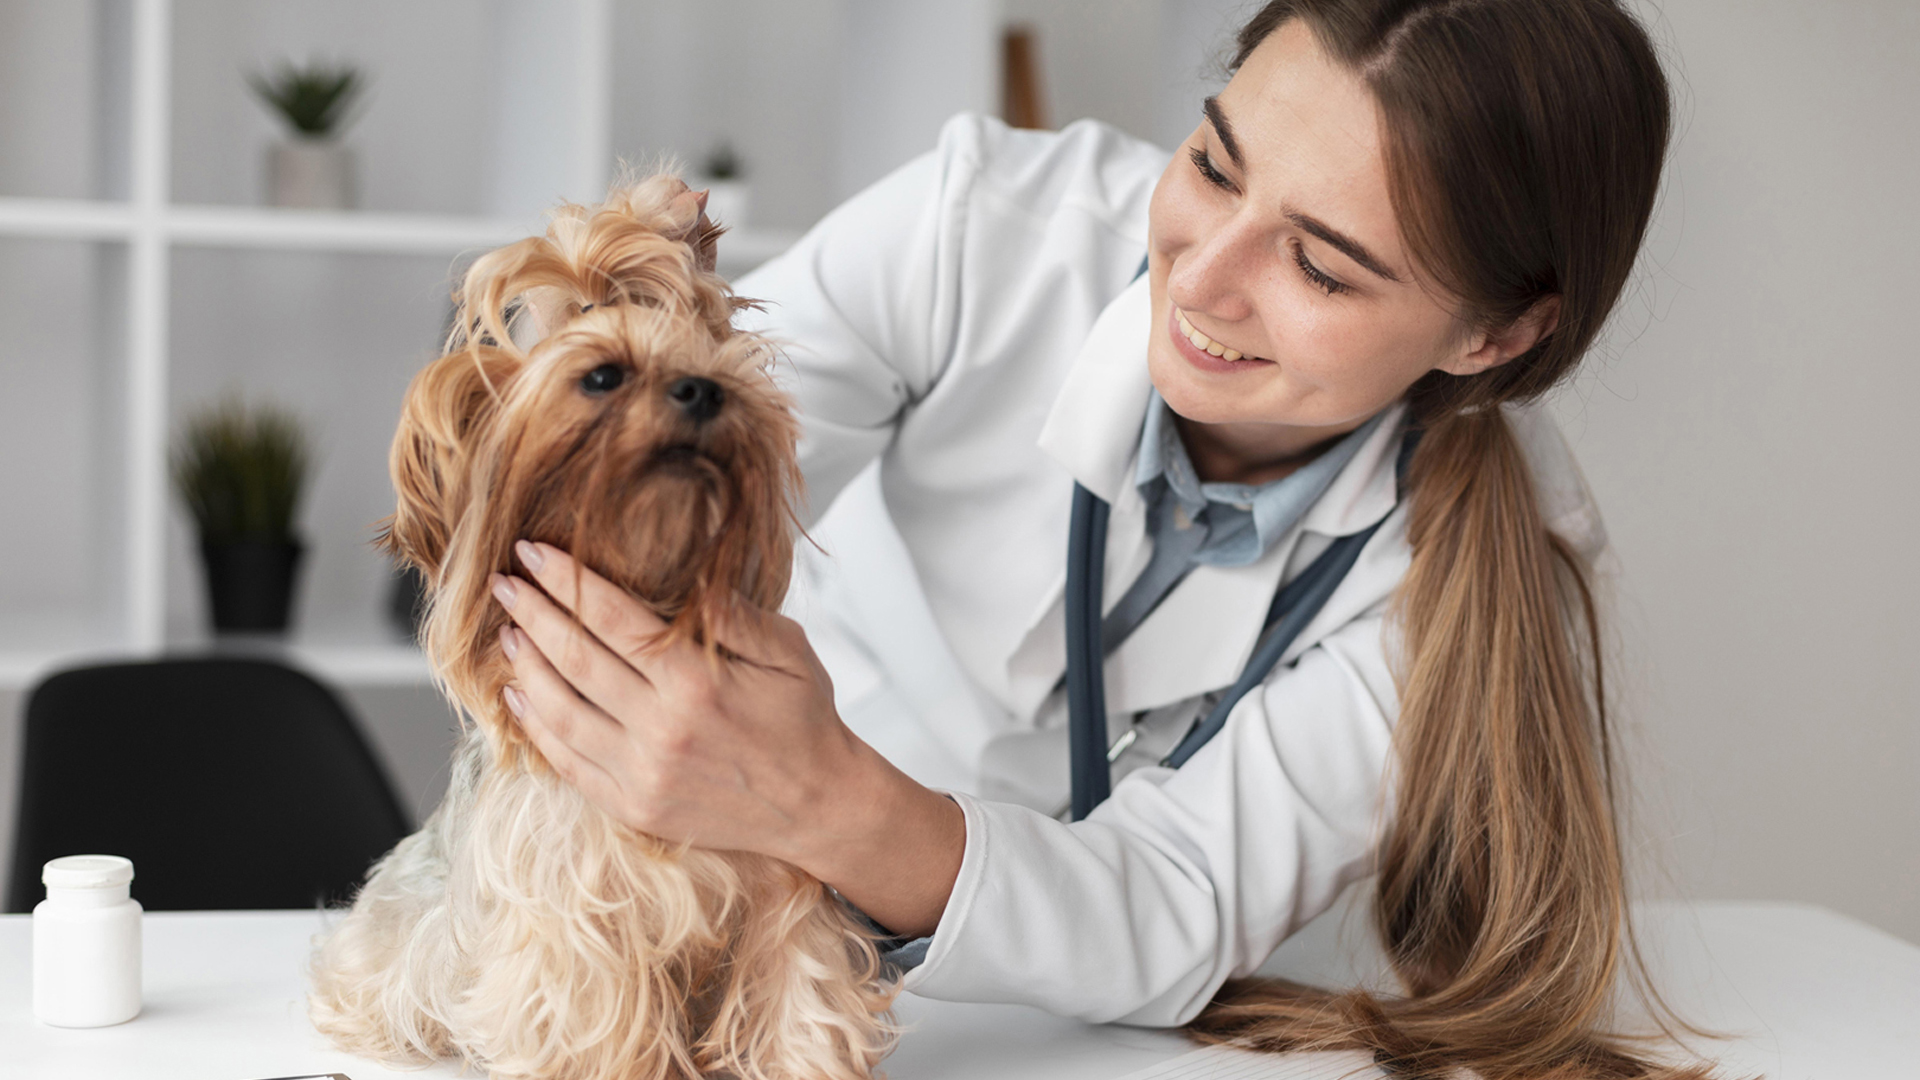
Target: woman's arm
x: 743, y: 756
x: 1180, y: 881
x: 1183, y: 878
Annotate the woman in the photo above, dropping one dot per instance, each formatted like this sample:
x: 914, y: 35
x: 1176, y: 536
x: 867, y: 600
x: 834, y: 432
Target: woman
x: 1398, y: 217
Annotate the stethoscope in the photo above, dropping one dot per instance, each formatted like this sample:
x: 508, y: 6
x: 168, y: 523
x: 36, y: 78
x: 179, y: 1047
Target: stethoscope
x: 1293, y: 607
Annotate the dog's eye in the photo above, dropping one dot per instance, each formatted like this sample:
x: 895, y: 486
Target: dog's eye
x: 602, y: 379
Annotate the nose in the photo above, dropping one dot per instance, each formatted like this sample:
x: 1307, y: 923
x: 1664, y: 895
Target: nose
x: 700, y: 399
x: 1211, y: 275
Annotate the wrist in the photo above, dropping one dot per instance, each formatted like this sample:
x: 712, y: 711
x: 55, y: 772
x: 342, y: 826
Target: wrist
x: 891, y: 846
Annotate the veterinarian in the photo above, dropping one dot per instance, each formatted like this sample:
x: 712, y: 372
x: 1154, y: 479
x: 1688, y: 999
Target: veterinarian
x: 1397, y: 226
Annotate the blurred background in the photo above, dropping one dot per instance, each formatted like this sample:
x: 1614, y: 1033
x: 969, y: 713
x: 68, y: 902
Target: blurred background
x: 172, y: 241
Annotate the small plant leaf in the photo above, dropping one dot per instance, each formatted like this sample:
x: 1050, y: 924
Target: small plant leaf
x: 314, y: 99
x: 241, y: 472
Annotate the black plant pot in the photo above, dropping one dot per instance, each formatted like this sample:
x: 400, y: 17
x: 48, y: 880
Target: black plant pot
x: 250, y: 582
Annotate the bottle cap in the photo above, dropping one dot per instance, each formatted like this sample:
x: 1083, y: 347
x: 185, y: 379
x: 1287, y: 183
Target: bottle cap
x: 87, y: 872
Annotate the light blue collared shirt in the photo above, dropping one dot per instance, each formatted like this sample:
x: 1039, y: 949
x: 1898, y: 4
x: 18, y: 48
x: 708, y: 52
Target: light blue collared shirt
x: 1195, y: 523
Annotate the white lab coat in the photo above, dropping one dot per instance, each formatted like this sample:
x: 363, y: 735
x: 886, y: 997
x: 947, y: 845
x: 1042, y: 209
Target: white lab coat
x: 970, y: 321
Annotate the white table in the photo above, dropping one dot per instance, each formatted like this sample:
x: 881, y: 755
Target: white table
x: 1801, y: 991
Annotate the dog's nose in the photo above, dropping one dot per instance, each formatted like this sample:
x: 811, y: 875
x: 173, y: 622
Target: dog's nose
x: 699, y: 398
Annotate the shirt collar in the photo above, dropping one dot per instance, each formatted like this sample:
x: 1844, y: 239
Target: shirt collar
x: 1245, y: 519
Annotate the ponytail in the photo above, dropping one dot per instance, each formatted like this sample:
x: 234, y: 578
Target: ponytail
x: 1501, y: 899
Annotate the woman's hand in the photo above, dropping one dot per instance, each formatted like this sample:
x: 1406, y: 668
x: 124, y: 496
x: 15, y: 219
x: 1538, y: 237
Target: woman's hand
x: 736, y: 756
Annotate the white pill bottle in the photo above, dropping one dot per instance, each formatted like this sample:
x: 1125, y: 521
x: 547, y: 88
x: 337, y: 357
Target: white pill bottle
x: 86, y: 943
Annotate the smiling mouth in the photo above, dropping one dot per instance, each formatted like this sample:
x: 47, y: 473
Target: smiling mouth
x: 1206, y: 344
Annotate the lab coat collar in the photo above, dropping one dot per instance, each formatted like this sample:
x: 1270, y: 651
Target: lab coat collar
x: 1094, y: 428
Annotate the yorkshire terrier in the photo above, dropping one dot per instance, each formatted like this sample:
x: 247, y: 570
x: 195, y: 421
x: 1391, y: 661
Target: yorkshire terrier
x: 594, y: 395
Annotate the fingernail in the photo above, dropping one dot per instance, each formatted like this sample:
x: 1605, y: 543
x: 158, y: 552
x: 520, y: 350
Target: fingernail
x: 516, y: 701
x: 530, y: 556
x: 503, y: 591
x: 509, y: 643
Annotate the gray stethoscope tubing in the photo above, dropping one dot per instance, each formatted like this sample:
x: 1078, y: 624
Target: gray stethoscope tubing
x: 1293, y: 607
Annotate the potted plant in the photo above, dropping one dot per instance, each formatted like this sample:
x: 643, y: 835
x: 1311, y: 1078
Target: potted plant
x: 241, y: 472
x: 312, y: 169
x: 728, y: 197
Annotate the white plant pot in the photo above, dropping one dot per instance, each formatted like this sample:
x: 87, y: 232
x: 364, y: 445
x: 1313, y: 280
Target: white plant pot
x: 729, y: 202
x: 311, y: 174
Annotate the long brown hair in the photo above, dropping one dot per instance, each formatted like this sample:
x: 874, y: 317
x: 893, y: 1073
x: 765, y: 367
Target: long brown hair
x: 1524, y: 141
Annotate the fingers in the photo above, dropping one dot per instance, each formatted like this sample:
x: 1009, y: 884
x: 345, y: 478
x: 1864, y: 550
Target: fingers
x: 570, y: 732
x: 578, y: 658
x: 624, y: 624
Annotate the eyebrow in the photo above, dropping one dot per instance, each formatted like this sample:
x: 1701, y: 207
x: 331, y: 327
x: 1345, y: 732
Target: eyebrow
x: 1346, y: 245
x: 1223, y: 128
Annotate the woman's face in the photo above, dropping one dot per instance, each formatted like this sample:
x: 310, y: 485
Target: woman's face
x: 1274, y: 240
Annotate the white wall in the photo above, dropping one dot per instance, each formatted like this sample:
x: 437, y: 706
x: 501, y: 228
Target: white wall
x: 1750, y: 437
x: 421, y: 131
x: 1141, y: 65
x: 818, y: 97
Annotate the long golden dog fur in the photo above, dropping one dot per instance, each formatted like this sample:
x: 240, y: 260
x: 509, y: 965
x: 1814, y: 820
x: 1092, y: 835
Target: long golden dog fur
x: 522, y: 930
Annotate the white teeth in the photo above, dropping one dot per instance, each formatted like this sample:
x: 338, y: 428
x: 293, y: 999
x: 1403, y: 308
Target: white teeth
x: 1203, y: 342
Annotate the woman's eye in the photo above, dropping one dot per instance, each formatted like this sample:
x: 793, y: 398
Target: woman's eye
x: 1315, y: 276
x: 602, y: 379
x: 1207, y: 172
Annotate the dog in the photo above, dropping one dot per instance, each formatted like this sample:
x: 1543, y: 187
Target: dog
x: 594, y: 395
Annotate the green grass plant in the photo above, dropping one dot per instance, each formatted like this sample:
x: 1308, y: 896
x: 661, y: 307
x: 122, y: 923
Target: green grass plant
x: 314, y: 99
x: 241, y: 471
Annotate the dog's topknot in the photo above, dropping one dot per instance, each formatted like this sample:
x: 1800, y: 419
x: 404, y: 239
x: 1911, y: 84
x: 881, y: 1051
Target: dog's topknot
x: 649, y: 243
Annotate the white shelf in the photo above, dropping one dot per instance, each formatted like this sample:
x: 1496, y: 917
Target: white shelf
x: 66, y: 219
x: 390, y: 663
x: 334, y: 230
x: 314, y: 230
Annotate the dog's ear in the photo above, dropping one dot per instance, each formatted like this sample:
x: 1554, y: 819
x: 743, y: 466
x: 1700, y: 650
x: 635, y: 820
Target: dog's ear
x: 448, y: 406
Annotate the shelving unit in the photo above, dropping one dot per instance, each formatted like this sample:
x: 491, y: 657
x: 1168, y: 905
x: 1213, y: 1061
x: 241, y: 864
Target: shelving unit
x: 160, y: 269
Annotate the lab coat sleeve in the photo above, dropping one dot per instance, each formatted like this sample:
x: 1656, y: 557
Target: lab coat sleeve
x: 863, y: 309
x: 1182, y: 879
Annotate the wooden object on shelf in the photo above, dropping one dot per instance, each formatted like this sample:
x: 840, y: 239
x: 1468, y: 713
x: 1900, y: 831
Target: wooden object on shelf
x: 1023, y: 103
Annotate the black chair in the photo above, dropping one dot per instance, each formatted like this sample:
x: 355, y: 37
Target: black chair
x: 230, y: 783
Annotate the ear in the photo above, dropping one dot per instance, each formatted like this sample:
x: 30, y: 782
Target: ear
x: 447, y: 409
x: 1483, y: 349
